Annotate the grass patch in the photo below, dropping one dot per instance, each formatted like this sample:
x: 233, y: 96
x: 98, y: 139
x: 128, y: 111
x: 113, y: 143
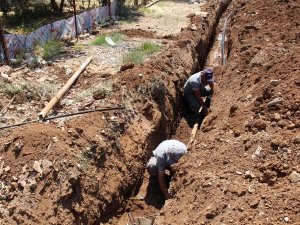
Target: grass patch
x: 78, y: 47
x: 100, y: 41
x: 50, y: 49
x: 138, y: 55
x: 10, y: 89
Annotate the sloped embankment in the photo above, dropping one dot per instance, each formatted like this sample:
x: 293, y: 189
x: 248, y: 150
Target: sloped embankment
x: 82, y: 171
x: 245, y: 168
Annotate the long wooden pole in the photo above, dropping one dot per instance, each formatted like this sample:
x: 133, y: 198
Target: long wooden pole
x: 75, y: 19
x: 64, y: 89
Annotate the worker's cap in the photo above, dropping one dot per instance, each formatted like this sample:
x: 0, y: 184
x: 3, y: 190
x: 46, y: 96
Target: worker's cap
x: 209, y: 75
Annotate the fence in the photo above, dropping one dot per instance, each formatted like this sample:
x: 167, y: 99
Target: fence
x: 16, y: 43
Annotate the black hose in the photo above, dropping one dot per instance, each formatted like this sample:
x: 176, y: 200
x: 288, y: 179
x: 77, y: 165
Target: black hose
x: 63, y: 115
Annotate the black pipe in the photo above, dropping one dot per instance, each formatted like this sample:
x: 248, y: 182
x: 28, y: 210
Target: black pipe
x: 63, y: 115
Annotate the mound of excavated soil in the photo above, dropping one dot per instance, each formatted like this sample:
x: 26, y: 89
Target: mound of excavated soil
x: 82, y: 170
x: 245, y: 168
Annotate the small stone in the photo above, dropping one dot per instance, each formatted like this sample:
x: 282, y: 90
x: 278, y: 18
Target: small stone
x: 277, y: 117
x: 13, y: 186
x: 37, y: 167
x: 239, y: 173
x: 255, y: 203
x: 7, y: 168
x: 286, y: 219
x: 249, y: 96
x: 297, y: 140
x: 274, y: 82
x: 275, y: 102
x: 55, y: 139
x: 258, y: 151
x: 207, y: 184
x: 193, y: 27
x: 294, y: 177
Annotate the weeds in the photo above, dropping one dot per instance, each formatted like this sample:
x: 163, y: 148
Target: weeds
x: 138, y: 55
x: 78, y: 47
x: 100, y: 41
x: 50, y: 49
x: 102, y: 89
x: 10, y: 89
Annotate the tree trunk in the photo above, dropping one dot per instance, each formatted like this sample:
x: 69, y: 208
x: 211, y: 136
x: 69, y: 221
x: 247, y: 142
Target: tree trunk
x: 54, y: 6
x: 61, y: 8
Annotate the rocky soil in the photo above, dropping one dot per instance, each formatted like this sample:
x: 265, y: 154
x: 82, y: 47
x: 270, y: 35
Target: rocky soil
x: 244, y: 169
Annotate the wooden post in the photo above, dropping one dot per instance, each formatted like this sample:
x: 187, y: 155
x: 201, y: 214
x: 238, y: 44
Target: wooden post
x: 2, y: 41
x: 64, y: 89
x: 75, y: 18
x: 109, y: 11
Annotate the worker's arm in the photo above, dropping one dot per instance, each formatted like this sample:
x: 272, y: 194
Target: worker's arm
x: 198, y: 96
x: 163, y: 185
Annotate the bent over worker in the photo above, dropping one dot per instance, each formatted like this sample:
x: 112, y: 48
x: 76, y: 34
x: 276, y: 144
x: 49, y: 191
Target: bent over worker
x: 165, y: 155
x: 197, y: 86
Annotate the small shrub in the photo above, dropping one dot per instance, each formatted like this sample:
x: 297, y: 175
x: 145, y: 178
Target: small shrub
x: 158, y: 90
x: 138, y: 55
x: 149, y: 48
x: 135, y: 57
x: 10, y: 89
x: 78, y: 47
x: 100, y: 41
x: 51, y: 49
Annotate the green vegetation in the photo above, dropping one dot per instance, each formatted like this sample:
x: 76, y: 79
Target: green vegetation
x: 138, y: 55
x: 10, y: 89
x: 100, y: 41
x: 48, y: 50
x: 78, y: 47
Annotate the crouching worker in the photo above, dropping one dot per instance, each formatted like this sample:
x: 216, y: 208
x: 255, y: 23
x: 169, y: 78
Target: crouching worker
x: 165, y: 155
x: 197, y: 86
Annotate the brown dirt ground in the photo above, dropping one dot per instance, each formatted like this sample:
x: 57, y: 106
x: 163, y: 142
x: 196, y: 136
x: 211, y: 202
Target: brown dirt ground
x: 91, y: 165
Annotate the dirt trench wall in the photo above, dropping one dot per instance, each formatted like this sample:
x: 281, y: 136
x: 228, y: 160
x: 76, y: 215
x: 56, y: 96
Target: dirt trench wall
x: 97, y: 161
x: 247, y: 152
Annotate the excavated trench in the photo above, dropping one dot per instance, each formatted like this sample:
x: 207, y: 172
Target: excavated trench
x: 148, y: 200
x: 100, y: 191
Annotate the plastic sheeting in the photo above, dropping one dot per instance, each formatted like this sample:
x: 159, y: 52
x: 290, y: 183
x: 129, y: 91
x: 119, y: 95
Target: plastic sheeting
x: 16, y: 43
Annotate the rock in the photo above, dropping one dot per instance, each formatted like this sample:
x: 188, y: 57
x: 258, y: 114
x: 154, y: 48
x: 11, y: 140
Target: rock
x: 275, y: 102
x: 274, y: 82
x: 260, y: 59
x: 254, y: 203
x: 37, y: 167
x: 97, y: 95
x: 22, y: 184
x: 294, y: 177
x: 232, y: 109
x: 277, y: 117
x: 297, y: 140
x: 207, y: 184
x: 32, y: 62
x: 7, y: 168
x: 275, y: 143
x: 193, y: 27
x: 258, y: 151
x: 286, y: 219
x: 13, y: 186
x: 32, y: 184
x: 6, y: 69
x: 191, y: 15
x: 239, y: 173
x: 126, y: 66
x: 55, y: 139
